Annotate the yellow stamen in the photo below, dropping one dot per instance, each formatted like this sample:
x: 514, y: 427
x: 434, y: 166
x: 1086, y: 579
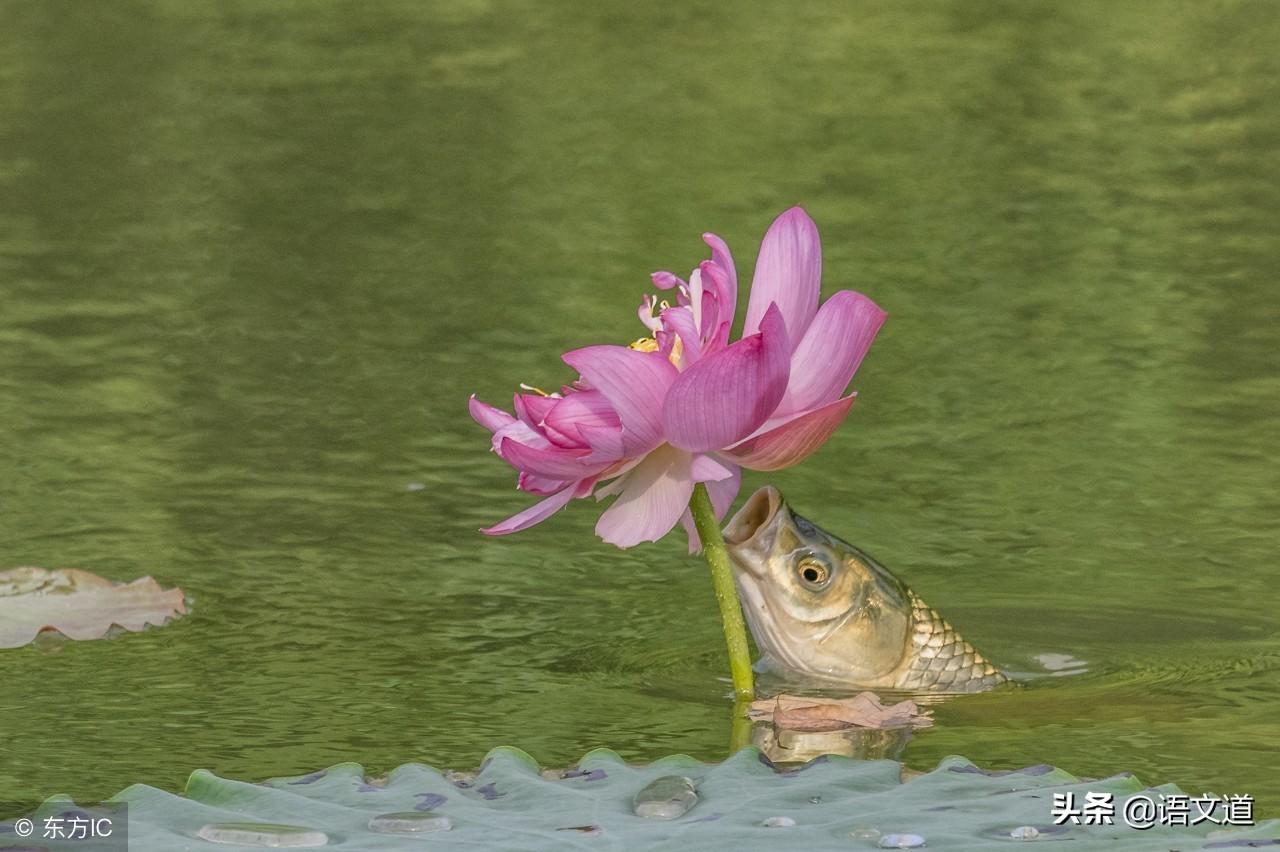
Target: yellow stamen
x: 648, y: 344
x: 538, y: 391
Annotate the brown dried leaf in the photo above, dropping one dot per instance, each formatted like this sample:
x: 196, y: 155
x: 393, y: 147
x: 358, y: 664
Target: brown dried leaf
x: 78, y: 604
x: 864, y: 710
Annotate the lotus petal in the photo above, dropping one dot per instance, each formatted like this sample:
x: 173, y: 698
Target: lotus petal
x: 539, y: 484
x: 726, y: 396
x: 535, y: 514
x: 832, y: 348
x: 487, y: 415
x: 680, y: 322
x: 792, y: 441
x: 726, y: 286
x: 653, y: 496
x: 566, y: 465
x: 788, y: 273
x: 533, y: 408
x: 634, y: 382
x: 585, y: 408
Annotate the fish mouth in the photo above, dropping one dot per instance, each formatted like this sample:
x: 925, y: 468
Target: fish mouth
x: 752, y: 537
x: 752, y: 531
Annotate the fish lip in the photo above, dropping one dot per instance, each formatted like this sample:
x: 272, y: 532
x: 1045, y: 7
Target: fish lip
x: 753, y: 529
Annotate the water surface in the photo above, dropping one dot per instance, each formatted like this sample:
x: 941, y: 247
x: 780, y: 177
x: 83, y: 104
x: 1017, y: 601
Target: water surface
x: 255, y: 256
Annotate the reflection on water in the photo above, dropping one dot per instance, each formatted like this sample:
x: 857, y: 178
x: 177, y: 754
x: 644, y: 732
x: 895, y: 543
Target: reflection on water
x: 1061, y: 665
x: 784, y: 747
x: 254, y: 257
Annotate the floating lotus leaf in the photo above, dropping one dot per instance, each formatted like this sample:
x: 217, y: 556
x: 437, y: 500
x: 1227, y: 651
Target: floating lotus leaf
x: 864, y: 710
x: 78, y: 604
x: 743, y: 803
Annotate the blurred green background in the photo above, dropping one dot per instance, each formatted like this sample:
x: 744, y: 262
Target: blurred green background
x: 255, y: 255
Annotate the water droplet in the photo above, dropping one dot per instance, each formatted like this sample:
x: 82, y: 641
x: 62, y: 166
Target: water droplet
x: 864, y: 832
x: 901, y: 841
x: 416, y: 486
x: 779, y: 822
x: 410, y: 822
x: 1025, y: 832
x: 668, y: 797
x: 815, y: 800
x: 264, y: 834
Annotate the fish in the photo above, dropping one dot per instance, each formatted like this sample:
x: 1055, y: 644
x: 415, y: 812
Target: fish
x: 821, y: 608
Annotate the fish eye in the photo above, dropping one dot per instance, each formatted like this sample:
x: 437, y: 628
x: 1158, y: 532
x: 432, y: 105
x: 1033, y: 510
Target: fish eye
x: 813, y: 573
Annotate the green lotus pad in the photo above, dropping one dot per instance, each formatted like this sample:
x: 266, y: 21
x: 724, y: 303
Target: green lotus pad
x: 831, y: 803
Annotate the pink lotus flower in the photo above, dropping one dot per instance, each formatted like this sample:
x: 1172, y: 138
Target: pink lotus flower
x: 647, y: 422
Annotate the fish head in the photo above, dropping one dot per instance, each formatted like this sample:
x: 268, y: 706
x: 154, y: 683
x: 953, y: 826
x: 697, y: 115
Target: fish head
x: 816, y: 605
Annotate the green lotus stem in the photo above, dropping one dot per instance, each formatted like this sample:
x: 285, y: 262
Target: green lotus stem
x: 740, y: 725
x: 735, y: 630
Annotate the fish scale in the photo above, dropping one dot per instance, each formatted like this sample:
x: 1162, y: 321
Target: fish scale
x: 941, y: 659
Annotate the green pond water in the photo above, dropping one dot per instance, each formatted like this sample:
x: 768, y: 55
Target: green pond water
x: 254, y: 256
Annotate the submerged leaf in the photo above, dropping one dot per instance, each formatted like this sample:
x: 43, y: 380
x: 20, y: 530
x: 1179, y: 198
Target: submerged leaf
x: 864, y: 710
x: 78, y: 604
